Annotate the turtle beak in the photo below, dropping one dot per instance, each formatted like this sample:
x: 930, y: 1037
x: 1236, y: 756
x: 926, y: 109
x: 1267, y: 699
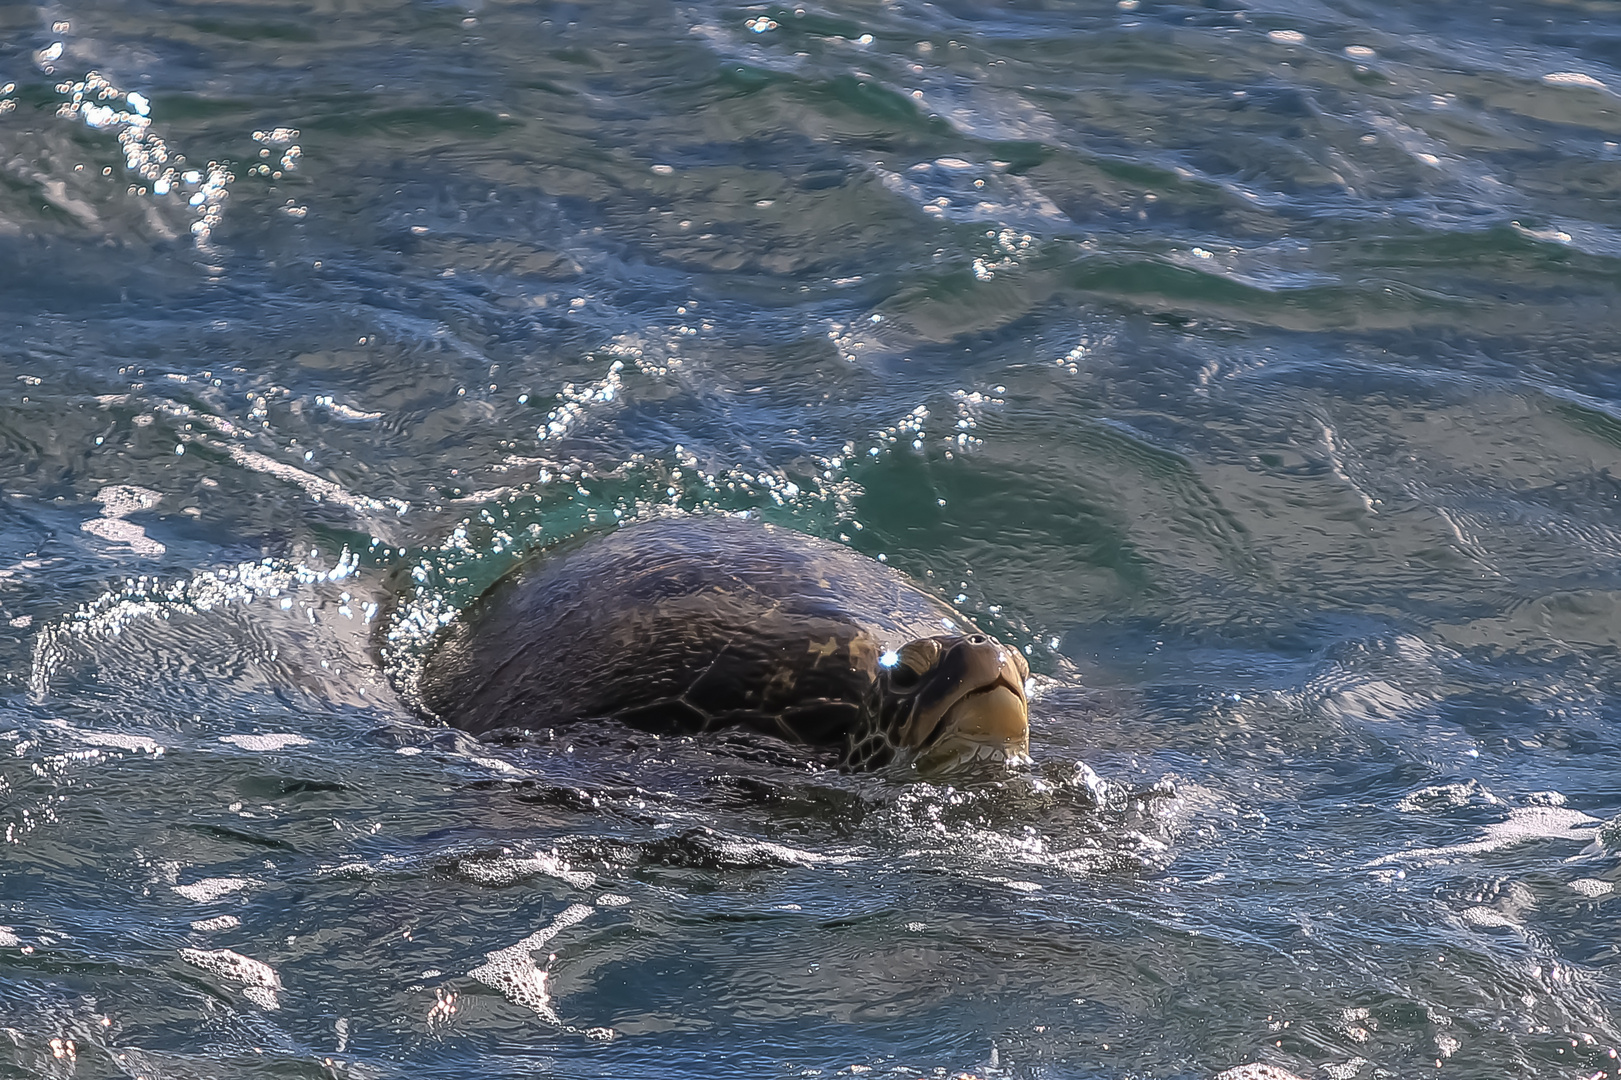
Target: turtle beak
x: 978, y: 710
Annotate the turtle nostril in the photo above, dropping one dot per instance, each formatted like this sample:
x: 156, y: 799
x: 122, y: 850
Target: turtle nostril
x: 977, y: 639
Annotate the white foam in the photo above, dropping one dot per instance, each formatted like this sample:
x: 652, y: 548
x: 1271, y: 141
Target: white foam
x: 507, y: 871
x: 262, y: 996
x: 750, y: 851
x: 258, y: 979
x: 273, y: 741
x: 119, y: 531
x: 1592, y: 887
x: 1573, y: 78
x: 139, y: 744
x: 513, y: 971
x: 317, y: 488
x: 1485, y: 916
x: 1522, y: 824
x: 1256, y: 1070
x: 118, y: 501
x: 495, y: 764
x: 219, y: 922
x: 1441, y: 796
x: 210, y: 889
x: 122, y: 500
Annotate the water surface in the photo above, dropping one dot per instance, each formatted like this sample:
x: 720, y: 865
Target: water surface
x: 1251, y: 366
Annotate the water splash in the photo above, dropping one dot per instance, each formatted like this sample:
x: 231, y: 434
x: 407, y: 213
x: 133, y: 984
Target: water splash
x: 158, y: 170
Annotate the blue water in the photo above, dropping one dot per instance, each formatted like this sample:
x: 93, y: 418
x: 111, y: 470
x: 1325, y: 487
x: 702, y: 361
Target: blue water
x: 1252, y: 367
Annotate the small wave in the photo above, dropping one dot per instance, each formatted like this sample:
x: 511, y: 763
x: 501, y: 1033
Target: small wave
x: 256, y: 979
x: 1523, y: 824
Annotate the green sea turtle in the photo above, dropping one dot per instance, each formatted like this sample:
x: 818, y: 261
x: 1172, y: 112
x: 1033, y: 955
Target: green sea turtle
x: 688, y: 624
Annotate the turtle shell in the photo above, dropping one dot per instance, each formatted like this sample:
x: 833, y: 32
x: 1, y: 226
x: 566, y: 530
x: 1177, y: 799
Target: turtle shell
x: 682, y: 624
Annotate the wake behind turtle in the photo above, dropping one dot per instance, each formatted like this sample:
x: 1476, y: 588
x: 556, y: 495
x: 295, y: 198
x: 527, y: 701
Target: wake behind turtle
x: 690, y: 624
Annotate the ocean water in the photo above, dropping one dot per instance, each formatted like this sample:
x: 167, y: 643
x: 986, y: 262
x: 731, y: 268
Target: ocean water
x: 1251, y: 366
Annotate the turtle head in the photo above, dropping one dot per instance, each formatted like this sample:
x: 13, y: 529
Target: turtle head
x: 944, y: 701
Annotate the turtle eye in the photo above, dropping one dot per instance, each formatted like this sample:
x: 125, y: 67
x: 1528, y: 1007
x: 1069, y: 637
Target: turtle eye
x: 903, y: 677
x: 906, y: 667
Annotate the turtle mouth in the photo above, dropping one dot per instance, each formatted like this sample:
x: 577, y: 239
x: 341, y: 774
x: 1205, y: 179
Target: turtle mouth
x: 989, y: 722
x: 995, y: 714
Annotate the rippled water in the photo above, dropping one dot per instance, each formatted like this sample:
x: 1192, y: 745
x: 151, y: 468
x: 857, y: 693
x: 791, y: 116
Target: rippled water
x: 1254, y: 366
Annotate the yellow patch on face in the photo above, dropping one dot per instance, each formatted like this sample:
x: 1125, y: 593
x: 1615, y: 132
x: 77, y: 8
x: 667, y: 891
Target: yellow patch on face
x: 823, y: 649
x: 863, y: 653
x: 781, y: 684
